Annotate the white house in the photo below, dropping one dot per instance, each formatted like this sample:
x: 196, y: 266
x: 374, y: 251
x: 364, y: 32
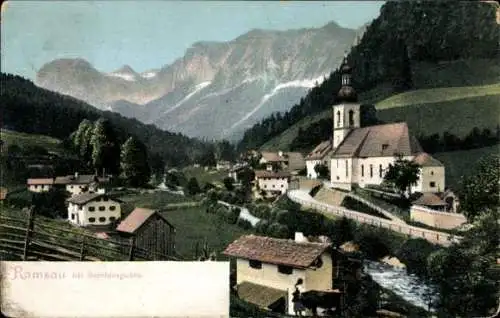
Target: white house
x: 268, y: 268
x: 90, y: 208
x: 76, y: 184
x: 272, y: 181
x: 40, y: 184
x: 361, y: 155
x: 319, y: 155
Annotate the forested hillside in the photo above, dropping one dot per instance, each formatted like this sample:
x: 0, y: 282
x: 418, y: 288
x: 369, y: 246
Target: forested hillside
x: 407, y: 35
x: 30, y: 109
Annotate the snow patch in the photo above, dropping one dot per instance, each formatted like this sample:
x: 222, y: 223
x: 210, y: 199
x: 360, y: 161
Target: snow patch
x: 198, y: 88
x: 307, y: 83
x: 149, y: 74
x: 125, y: 76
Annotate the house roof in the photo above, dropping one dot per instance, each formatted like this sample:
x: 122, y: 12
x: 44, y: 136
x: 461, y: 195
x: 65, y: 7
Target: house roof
x: 80, y: 179
x: 425, y: 160
x: 136, y: 219
x: 40, y: 181
x: 379, y: 141
x: 271, y: 174
x: 259, y: 295
x: 274, y: 156
x: 276, y: 251
x: 86, y: 197
x: 429, y: 199
x: 320, y: 151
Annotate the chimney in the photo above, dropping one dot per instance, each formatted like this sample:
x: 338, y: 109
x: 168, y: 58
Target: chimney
x: 76, y: 175
x: 300, y: 238
x: 280, y: 153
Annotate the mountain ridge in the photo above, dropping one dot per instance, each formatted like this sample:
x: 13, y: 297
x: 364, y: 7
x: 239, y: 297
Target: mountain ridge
x: 250, y: 76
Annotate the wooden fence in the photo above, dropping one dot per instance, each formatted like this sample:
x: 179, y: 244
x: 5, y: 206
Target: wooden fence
x: 434, y: 237
x: 28, y: 239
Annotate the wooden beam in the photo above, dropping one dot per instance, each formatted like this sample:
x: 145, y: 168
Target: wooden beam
x: 29, y: 232
x: 132, y: 247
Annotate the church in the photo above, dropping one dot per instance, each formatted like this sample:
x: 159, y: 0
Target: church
x: 361, y: 155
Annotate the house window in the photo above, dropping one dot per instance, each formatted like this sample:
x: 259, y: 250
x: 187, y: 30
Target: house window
x: 72, y: 216
x: 371, y: 171
x: 112, y: 218
x: 71, y: 187
x: 102, y: 208
x: 362, y: 170
x: 91, y: 220
x: 105, y: 199
x: 112, y: 208
x: 351, y: 117
x: 283, y: 269
x: 102, y: 219
x: 432, y: 184
x: 432, y: 173
x: 380, y: 171
x: 91, y: 209
x: 255, y: 264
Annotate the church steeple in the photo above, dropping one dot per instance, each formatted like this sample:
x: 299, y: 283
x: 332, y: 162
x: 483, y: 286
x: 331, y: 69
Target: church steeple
x: 346, y: 94
x: 346, y: 113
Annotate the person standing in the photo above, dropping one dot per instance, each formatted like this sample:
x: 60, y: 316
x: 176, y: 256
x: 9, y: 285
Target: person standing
x: 298, y: 306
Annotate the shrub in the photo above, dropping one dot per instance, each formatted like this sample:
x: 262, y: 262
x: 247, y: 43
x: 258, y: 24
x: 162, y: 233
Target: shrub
x: 414, y: 253
x: 262, y: 226
x: 233, y: 215
x: 371, y: 242
x: 244, y: 224
x: 278, y: 230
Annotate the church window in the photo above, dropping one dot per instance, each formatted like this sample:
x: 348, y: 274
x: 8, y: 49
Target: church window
x: 346, y: 168
x: 380, y: 171
x: 362, y: 170
x: 338, y: 118
x: 432, y: 173
x: 371, y: 171
x: 351, y: 118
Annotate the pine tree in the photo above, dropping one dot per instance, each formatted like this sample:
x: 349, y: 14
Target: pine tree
x: 105, y: 148
x: 134, y: 163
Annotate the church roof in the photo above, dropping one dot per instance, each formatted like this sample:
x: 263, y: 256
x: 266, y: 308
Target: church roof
x: 320, y: 151
x: 378, y: 141
x: 423, y: 159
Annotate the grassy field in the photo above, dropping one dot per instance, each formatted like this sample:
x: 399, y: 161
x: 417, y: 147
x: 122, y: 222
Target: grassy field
x: 28, y: 140
x: 453, y: 96
x: 203, y: 177
x: 193, y: 224
x: 459, y: 163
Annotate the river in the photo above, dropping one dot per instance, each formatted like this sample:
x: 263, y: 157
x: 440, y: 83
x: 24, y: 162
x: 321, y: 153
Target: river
x: 409, y: 287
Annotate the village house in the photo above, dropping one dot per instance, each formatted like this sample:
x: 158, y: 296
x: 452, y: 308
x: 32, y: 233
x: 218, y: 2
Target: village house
x: 40, y: 184
x: 150, y: 231
x: 362, y: 155
x: 319, y: 156
x: 90, y: 208
x: 272, y: 181
x: 433, y: 210
x: 3, y: 193
x: 223, y: 165
x: 76, y: 184
x: 236, y: 170
x: 280, y: 160
x: 268, y: 268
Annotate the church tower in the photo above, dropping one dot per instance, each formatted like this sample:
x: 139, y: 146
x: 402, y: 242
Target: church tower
x: 346, y: 114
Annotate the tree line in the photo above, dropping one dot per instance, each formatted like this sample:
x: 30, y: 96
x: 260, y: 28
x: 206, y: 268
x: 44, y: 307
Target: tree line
x: 30, y: 109
x: 404, y: 32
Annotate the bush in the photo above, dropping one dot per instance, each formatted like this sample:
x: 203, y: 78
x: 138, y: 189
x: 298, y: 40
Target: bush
x: 233, y: 215
x: 278, y: 230
x: 371, y: 242
x: 414, y: 253
x: 262, y: 226
x: 244, y: 224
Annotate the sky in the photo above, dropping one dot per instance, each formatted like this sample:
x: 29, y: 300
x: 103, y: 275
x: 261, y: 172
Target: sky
x: 149, y: 34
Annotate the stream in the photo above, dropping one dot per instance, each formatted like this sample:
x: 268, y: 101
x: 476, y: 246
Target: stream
x: 409, y: 287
